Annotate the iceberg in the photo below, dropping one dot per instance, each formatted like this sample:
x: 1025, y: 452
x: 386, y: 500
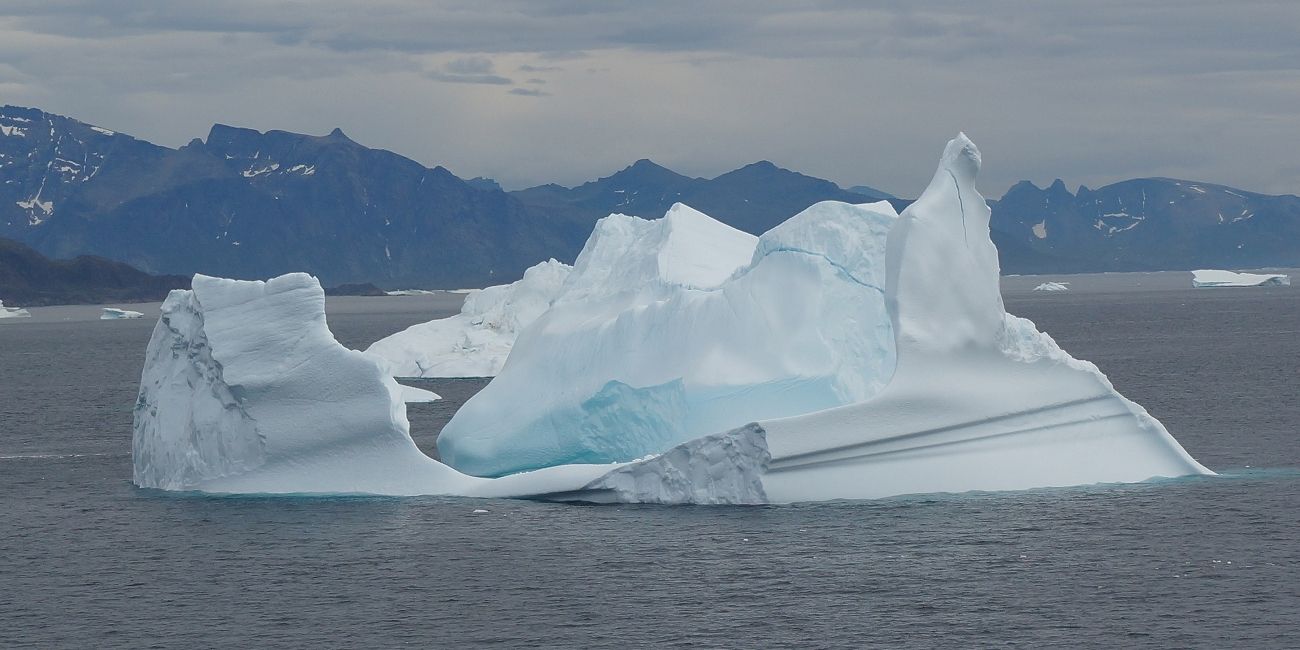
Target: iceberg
x: 475, y: 342
x: 1053, y: 286
x: 13, y: 312
x: 873, y: 350
x: 112, y: 313
x: 1211, y: 278
x: 856, y: 354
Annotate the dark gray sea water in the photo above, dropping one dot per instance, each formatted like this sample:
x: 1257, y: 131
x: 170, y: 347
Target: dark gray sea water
x: 87, y: 560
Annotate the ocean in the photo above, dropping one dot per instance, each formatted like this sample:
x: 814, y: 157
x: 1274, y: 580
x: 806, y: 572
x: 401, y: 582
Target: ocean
x: 88, y: 560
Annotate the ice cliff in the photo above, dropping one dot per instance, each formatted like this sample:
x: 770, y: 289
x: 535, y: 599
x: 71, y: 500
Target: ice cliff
x: 848, y: 353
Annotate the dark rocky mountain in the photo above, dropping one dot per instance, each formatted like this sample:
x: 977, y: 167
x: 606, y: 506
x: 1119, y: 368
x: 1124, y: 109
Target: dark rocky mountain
x: 252, y: 205
x: 28, y: 278
x: 871, y: 192
x: 1147, y: 224
x: 754, y: 198
x: 249, y: 204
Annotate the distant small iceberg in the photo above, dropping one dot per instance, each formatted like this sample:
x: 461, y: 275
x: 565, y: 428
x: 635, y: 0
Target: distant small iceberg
x: 411, y: 292
x: 13, y: 312
x: 1213, y: 278
x: 112, y: 313
x: 1053, y: 286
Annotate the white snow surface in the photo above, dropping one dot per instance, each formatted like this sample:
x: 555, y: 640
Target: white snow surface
x: 245, y: 390
x: 858, y: 354
x: 475, y: 342
x: 13, y: 312
x: 1214, y: 278
x: 113, y: 313
x: 1053, y: 286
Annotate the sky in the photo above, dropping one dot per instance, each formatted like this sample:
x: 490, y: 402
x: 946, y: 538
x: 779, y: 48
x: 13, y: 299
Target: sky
x: 537, y: 91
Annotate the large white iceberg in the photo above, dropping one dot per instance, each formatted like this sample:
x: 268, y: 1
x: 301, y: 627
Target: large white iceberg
x: 13, y: 312
x: 1212, y: 278
x: 856, y: 355
x: 475, y: 342
x: 1053, y: 286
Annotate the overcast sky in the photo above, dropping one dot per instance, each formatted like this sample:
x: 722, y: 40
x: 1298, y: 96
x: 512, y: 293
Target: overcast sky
x: 564, y: 91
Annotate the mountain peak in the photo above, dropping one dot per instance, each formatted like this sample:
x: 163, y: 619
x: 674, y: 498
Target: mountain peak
x: 338, y: 133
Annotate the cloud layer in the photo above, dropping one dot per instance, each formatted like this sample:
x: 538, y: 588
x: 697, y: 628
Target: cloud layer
x: 561, y: 90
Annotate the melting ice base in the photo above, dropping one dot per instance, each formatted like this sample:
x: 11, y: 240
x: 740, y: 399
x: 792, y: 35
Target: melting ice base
x: 878, y: 346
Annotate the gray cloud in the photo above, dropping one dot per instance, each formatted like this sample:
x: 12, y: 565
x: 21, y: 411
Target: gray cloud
x: 529, y: 92
x: 856, y: 92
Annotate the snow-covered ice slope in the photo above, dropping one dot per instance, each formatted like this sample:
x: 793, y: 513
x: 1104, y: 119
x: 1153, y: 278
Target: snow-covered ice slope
x: 13, y: 312
x: 245, y: 390
x: 475, y: 342
x: 112, y: 313
x: 1212, y: 278
x: 980, y: 399
x: 645, y: 349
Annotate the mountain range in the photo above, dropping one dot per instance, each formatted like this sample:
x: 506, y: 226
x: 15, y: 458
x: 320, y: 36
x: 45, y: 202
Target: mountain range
x: 243, y: 203
x: 28, y: 278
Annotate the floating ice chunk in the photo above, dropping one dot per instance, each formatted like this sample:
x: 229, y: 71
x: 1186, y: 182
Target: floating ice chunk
x: 1211, y: 278
x: 1053, y: 286
x: 613, y: 374
x: 413, y: 395
x: 112, y: 313
x: 475, y: 342
x: 13, y: 312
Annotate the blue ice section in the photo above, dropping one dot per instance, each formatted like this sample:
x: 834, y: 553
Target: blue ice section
x: 622, y: 423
